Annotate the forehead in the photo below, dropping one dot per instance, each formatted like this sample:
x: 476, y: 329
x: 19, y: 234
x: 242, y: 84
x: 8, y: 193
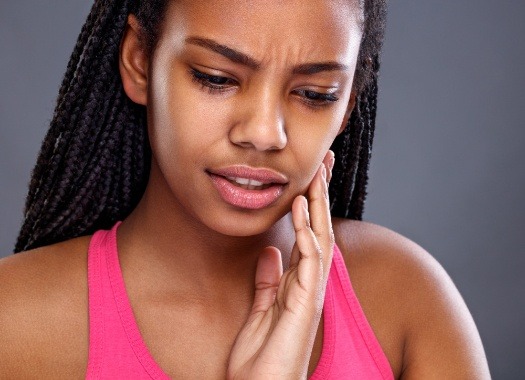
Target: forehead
x: 317, y: 28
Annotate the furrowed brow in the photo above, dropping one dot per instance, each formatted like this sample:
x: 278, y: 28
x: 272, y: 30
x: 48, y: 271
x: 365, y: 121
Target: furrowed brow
x: 314, y: 68
x: 232, y: 54
x: 244, y: 59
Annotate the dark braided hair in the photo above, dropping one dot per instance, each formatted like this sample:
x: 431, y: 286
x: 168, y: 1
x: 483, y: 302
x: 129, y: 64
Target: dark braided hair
x: 94, y: 163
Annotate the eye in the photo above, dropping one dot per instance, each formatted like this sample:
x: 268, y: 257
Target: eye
x: 212, y: 83
x: 317, y: 99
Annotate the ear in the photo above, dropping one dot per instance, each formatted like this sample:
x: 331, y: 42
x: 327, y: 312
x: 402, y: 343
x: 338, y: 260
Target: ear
x: 133, y: 63
x: 349, y: 109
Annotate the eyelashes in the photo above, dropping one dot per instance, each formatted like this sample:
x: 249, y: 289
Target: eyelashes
x: 211, y: 83
x: 318, y: 96
x: 214, y: 84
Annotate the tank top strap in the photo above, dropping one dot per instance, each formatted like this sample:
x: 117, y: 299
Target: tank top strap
x: 116, y: 348
x: 356, y: 345
x: 96, y: 262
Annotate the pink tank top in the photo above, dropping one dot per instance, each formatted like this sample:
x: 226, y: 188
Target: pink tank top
x: 117, y: 351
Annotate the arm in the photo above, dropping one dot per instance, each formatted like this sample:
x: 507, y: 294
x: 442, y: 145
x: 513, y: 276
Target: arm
x: 43, y: 313
x: 417, y: 314
x: 442, y: 341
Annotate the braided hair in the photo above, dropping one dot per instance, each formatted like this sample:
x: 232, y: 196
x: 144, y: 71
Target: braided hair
x: 94, y: 162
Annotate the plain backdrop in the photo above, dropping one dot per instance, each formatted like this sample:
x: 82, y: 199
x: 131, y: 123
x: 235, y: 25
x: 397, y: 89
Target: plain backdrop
x: 448, y: 164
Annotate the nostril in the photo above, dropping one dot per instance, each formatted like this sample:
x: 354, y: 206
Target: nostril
x: 244, y: 144
x: 262, y: 129
x: 261, y: 139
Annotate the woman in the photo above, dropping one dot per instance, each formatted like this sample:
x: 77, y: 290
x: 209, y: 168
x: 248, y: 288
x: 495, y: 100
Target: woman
x: 207, y: 127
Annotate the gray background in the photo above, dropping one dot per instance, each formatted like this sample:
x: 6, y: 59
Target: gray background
x: 448, y: 167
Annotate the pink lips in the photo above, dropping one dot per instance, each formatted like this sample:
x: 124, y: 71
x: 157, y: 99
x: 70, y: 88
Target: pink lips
x: 244, y: 198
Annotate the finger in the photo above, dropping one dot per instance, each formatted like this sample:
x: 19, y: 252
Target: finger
x: 299, y: 201
x: 295, y: 256
x: 321, y: 222
x: 328, y: 162
x: 330, y: 165
x: 307, y: 252
x: 267, y: 277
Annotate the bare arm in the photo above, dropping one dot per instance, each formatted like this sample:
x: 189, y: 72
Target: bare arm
x: 43, y: 313
x: 416, y: 311
x: 442, y: 340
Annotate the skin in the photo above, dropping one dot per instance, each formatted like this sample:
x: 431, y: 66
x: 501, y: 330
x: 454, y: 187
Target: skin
x: 244, y: 287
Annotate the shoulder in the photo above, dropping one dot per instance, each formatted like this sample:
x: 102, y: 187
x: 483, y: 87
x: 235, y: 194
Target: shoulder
x: 43, y: 310
x: 383, y: 256
x: 414, y: 308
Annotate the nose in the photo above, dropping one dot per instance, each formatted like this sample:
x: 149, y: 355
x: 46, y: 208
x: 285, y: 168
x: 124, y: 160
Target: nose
x: 260, y: 124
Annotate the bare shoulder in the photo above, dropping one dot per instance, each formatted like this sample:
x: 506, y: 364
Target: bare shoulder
x: 414, y: 308
x: 43, y: 312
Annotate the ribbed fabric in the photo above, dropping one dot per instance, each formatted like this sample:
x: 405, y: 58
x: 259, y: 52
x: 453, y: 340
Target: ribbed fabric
x: 117, y: 350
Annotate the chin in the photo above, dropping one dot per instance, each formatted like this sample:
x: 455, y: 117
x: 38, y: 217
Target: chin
x: 243, y: 224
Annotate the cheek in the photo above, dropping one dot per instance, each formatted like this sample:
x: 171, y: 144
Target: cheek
x: 317, y: 130
x: 182, y: 126
x: 310, y: 145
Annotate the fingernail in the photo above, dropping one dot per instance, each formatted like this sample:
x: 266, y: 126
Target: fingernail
x: 305, y: 205
x: 305, y: 210
x: 331, y: 162
x: 323, y: 171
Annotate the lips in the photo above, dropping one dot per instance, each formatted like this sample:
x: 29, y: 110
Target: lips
x: 264, y: 176
x: 248, y: 184
x: 249, y: 188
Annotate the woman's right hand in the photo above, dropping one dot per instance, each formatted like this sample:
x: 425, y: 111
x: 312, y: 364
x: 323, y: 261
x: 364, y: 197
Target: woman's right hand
x: 277, y: 340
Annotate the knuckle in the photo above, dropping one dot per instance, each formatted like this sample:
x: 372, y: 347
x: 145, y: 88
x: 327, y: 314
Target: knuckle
x: 315, y: 198
x: 302, y: 227
x: 318, y: 250
x: 325, y: 191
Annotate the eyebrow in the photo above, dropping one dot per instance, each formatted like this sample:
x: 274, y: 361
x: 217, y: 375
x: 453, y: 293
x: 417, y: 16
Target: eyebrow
x: 244, y: 59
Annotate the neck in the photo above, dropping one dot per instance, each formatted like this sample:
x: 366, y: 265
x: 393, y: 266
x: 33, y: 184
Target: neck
x: 174, y: 251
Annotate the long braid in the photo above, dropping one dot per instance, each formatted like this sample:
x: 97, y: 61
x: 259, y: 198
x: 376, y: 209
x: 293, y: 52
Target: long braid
x: 357, y: 201
x: 74, y: 189
x: 70, y: 72
x: 94, y: 162
x: 353, y: 147
x: 345, y: 169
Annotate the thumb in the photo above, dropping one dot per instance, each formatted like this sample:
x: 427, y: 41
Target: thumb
x: 267, y: 278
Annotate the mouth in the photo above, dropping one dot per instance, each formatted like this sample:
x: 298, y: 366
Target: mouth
x: 248, y: 188
x: 248, y: 184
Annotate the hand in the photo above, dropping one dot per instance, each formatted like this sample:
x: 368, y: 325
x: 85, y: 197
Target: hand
x: 277, y: 340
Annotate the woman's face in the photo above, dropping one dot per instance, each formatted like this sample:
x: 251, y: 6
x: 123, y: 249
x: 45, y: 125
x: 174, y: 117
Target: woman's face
x: 253, y: 90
